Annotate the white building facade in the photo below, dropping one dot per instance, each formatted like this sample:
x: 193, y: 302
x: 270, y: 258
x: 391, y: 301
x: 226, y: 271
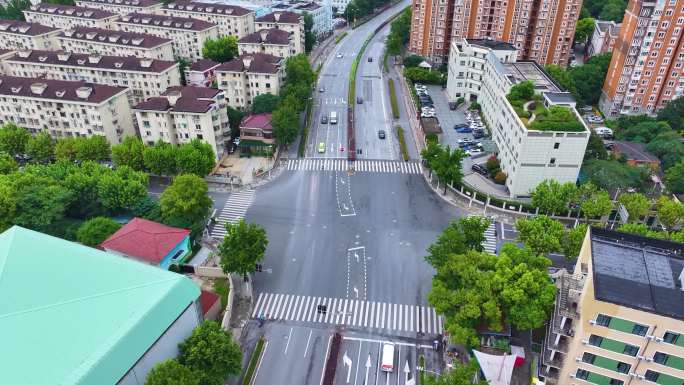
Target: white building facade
x: 66, y: 109
x: 248, y: 76
x: 231, y: 20
x: 116, y: 43
x: 273, y: 42
x: 17, y: 35
x: 145, y: 77
x: 289, y: 22
x: 187, y: 35
x: 122, y: 7
x: 68, y: 16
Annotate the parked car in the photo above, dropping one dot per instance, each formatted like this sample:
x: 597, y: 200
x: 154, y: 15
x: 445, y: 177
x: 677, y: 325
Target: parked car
x: 478, y: 134
x: 480, y: 169
x: 452, y: 106
x: 324, y: 119
x: 381, y: 134
x: 460, y: 125
x: 339, y: 56
x: 464, y: 130
x: 474, y: 151
x: 604, y: 132
x: 321, y: 89
x: 465, y: 142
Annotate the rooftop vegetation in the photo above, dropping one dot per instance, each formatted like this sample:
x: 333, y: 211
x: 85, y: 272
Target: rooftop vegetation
x: 535, y: 116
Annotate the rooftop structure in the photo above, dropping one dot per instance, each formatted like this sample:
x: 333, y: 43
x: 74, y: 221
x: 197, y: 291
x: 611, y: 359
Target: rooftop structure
x: 119, y: 43
x: 122, y: 7
x: 232, y: 20
x: 69, y: 16
x: 271, y: 41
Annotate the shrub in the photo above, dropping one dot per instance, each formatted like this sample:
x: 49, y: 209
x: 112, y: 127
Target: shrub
x: 431, y: 138
x: 523, y: 90
x: 402, y: 144
x: 393, y: 99
x: 339, y: 38
x: 500, y: 177
x: 421, y: 75
x: 492, y: 164
x: 459, y: 101
x: 475, y: 106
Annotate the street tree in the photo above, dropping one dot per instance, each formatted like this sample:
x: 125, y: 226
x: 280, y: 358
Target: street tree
x: 265, y: 103
x: 129, y: 153
x: 82, y: 181
x: 584, y: 29
x: 572, y: 242
x: 13, y: 139
x: 95, y: 148
x: 196, y: 157
x: 171, y: 372
x: 611, y: 174
x: 309, y: 36
x: 673, y: 114
x: 7, y: 163
x: 431, y: 154
x: 541, y: 234
x: 211, y: 354
x: 670, y: 213
x: 595, y: 203
x: 460, y: 374
x: 160, y: 158
x: 448, y: 167
x: 40, y: 201
x: 8, y: 203
x: 186, y: 201
x: 234, y: 119
x: 94, y: 231
x: 674, y: 178
x: 636, y: 204
x: 552, y: 197
x: 588, y: 78
x: 242, y: 248
x: 121, y: 189
x: 643, y: 230
x: 221, y: 49
x: 466, y: 233
x: 668, y: 146
x: 41, y: 148
x: 298, y: 71
x: 65, y: 149
x: 285, y: 122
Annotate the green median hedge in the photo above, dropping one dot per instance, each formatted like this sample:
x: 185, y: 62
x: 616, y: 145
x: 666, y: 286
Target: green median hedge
x: 339, y: 38
x: 402, y: 143
x: 253, y: 361
x: 393, y: 98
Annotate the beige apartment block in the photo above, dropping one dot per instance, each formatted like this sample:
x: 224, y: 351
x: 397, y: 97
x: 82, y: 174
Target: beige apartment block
x: 290, y: 22
x: 249, y: 75
x: 619, y: 316
x: 272, y: 41
x: 603, y: 38
x: 232, y: 20
x: 16, y: 35
x: 187, y: 35
x: 69, y: 16
x: 122, y: 7
x: 182, y: 114
x: 145, y: 77
x: 66, y: 108
x: 116, y: 43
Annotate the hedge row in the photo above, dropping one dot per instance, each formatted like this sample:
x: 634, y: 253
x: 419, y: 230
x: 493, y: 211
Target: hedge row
x: 339, y: 38
x: 402, y: 143
x: 305, y: 131
x: 393, y: 99
x: 253, y: 361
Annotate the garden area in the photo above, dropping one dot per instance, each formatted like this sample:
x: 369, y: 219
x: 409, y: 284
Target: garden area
x: 531, y: 110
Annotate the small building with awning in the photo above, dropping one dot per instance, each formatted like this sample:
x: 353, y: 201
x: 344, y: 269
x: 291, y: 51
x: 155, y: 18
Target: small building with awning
x: 256, y: 134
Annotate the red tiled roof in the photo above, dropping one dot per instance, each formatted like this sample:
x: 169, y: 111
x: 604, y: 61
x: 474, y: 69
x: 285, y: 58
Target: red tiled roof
x: 286, y: 17
x: 194, y: 92
x: 207, y: 300
x: 147, y: 240
x: 24, y: 28
x: 203, y: 65
x: 71, y: 11
x: 162, y: 21
x: 78, y: 91
x: 261, y: 121
x: 107, y: 36
x: 254, y: 62
x: 267, y: 36
x: 200, y: 7
x: 122, y: 63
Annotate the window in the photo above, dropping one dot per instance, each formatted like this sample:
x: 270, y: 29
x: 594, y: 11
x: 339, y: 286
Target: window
x: 670, y: 337
x: 623, y: 367
x: 651, y: 376
x: 603, y: 320
x: 631, y: 350
x: 660, y: 358
x: 588, y: 358
x: 615, y: 382
x: 582, y: 374
x: 639, y: 330
x: 595, y: 340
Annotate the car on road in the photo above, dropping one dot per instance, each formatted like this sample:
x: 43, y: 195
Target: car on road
x: 339, y: 56
x: 322, y: 89
x: 381, y: 134
x: 333, y: 117
x: 474, y: 151
x: 464, y: 130
x: 370, y: 59
x: 387, y: 363
x: 324, y: 119
x: 452, y: 106
x: 359, y: 100
x: 321, y: 147
x: 480, y: 169
x: 465, y: 142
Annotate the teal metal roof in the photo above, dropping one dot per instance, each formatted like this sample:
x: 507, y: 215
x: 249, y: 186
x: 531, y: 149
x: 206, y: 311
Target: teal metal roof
x: 71, y: 314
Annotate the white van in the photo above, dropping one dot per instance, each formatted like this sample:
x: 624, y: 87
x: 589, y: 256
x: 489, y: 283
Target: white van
x: 604, y: 132
x: 333, y: 117
x: 387, y: 363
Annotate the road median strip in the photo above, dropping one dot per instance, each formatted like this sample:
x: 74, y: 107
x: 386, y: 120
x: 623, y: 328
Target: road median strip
x: 254, y: 362
x: 393, y: 98
x: 402, y: 144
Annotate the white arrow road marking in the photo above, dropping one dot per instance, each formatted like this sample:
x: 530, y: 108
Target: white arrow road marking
x: 347, y: 362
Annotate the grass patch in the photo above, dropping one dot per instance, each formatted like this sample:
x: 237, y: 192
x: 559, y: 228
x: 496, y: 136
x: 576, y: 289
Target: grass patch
x: 222, y: 288
x: 305, y: 130
x: 402, y: 144
x: 339, y: 38
x: 393, y: 98
x: 385, y: 66
x: 421, y: 363
x: 253, y: 360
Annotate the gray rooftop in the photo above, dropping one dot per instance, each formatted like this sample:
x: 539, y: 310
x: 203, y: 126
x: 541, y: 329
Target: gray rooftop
x: 528, y: 70
x: 560, y: 97
x: 638, y: 272
x: 492, y: 44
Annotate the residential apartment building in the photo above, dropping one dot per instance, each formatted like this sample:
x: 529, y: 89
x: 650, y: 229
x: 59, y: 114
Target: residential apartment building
x: 272, y: 41
x: 603, y: 38
x: 117, y: 43
x: 321, y: 13
x: 232, y: 20
x: 16, y: 35
x: 122, y: 7
x: 145, y: 77
x: 541, y: 30
x: 182, y: 114
x: 201, y: 73
x: 249, y: 75
x: 289, y: 22
x: 69, y: 16
x: 645, y: 71
x: 619, y: 315
x: 187, y: 35
x: 66, y: 108
x: 528, y: 155
x: 467, y: 60
x: 340, y: 5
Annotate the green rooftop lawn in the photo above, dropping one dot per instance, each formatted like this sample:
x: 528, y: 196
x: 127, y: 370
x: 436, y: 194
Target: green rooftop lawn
x: 555, y: 118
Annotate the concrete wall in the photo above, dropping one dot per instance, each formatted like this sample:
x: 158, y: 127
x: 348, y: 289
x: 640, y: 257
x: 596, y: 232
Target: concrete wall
x: 166, y: 346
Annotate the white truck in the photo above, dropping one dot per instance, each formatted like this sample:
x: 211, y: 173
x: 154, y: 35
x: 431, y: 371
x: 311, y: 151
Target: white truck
x: 387, y: 363
x: 333, y: 117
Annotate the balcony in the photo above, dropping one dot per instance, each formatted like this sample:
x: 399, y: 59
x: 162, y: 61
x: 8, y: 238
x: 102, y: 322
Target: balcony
x: 551, y: 376
x: 556, y: 362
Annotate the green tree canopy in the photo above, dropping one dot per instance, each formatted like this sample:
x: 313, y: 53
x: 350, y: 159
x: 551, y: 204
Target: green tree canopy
x: 121, y: 189
x: 588, y: 78
x: 13, y: 139
x: 413, y: 60
x: 595, y: 148
x: 160, y: 158
x: 285, y: 121
x: 234, y: 119
x: 670, y: 213
x: 584, y: 29
x: 643, y: 230
x: 466, y: 233
x: 611, y: 174
x: 562, y: 77
x: 636, y: 204
x: 211, y: 354
x: 522, y: 91
x: 265, y: 103
x: 196, y: 157
x: 309, y: 36
x: 594, y: 202
x: 129, y: 153
x: 7, y: 163
x: 243, y: 247
x: 668, y: 146
x: 460, y: 374
x: 572, y: 242
x: 40, y: 201
x: 541, y: 234
x: 186, y: 201
x: 674, y: 178
x: 673, y: 114
x: 96, y: 230
x: 298, y: 71
x: 613, y: 10
x: 552, y: 197
x: 41, y: 148
x: 14, y: 9
x: 170, y: 372
x: 221, y: 49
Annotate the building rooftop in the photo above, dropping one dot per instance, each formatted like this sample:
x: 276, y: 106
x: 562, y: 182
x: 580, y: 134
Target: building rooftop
x: 162, y: 21
x: 129, y: 3
x: 280, y: 17
x: 71, y: 11
x: 181, y: 99
x: 260, y: 121
x: 147, y: 240
x: 203, y: 65
x: 106, y: 36
x: 215, y: 8
x: 258, y: 63
x: 608, y: 26
x: 635, y: 151
x: 521, y: 71
x: 267, y: 36
x: 308, y: 6
x: 194, y: 91
x: 75, y: 91
x: 492, y: 44
x: 560, y: 97
x: 207, y: 300
x: 63, y: 58
x: 86, y: 317
x: 638, y: 272
x: 24, y: 28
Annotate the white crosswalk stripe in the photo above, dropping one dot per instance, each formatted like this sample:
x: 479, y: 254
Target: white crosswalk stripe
x: 327, y: 164
x: 489, y: 244
x: 343, y: 311
x: 235, y: 208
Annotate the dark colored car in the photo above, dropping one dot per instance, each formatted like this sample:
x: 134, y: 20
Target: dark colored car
x: 464, y: 130
x: 381, y: 134
x: 480, y: 169
x: 452, y: 106
x: 477, y: 134
x: 324, y: 119
x: 359, y: 100
x: 370, y: 59
x: 461, y: 125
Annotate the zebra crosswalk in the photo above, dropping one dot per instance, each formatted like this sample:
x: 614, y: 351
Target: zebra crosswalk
x: 336, y: 164
x: 235, y: 208
x: 489, y: 244
x: 349, y: 312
